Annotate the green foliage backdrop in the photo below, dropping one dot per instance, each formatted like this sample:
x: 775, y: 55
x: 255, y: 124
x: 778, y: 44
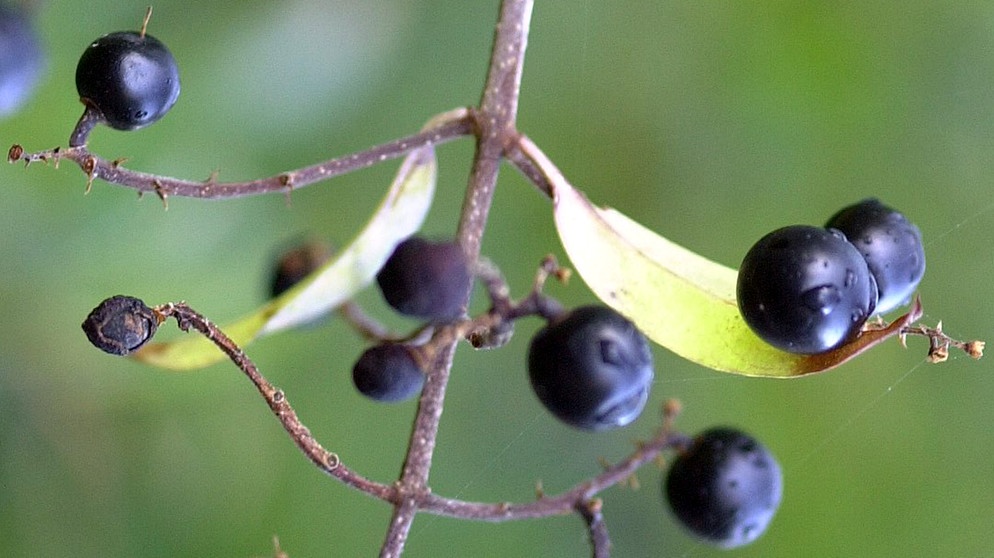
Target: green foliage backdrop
x: 712, y: 123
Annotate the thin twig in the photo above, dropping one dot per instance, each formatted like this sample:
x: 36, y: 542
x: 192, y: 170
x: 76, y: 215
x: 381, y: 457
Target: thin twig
x: 460, y: 123
x: 364, y: 324
x: 495, y: 124
x: 593, y: 515
x: 939, y: 342
x: 565, y: 502
x: 325, y: 460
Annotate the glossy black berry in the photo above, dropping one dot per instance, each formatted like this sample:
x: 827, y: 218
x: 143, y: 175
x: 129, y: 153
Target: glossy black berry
x: 805, y: 289
x: 131, y: 79
x: 120, y: 325
x: 725, y: 488
x: 388, y: 373
x: 426, y: 279
x: 21, y: 59
x: 592, y: 368
x: 891, y: 245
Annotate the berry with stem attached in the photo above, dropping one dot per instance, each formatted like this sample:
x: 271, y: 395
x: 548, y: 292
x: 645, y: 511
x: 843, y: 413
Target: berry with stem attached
x: 129, y: 79
x: 891, y: 245
x: 592, y: 368
x: 120, y: 325
x: 725, y: 488
x: 805, y: 289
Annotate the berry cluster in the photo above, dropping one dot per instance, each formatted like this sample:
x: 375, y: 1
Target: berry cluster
x: 807, y: 290
x: 422, y: 279
x: 590, y: 367
x: 803, y: 289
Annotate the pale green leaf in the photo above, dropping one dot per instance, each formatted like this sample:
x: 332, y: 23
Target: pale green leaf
x: 678, y: 298
x: 399, y: 215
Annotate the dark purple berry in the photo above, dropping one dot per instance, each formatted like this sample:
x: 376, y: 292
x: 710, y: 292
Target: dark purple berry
x: 805, y: 289
x: 388, y: 373
x: 130, y: 78
x: 426, y: 279
x: 592, y: 368
x: 120, y: 325
x: 725, y: 488
x: 21, y: 59
x: 891, y: 245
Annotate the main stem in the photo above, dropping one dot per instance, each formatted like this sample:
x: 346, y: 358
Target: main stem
x: 496, y: 121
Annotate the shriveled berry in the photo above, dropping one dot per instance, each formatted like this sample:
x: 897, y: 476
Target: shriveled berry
x: 426, y: 279
x: 891, y: 245
x: 120, y: 325
x: 592, y: 368
x: 388, y: 373
x: 295, y: 264
x: 726, y: 488
x: 805, y: 289
x: 21, y: 59
x: 130, y: 78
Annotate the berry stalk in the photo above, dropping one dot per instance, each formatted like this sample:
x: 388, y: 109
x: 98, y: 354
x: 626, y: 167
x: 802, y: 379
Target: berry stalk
x: 496, y: 121
x: 451, y: 126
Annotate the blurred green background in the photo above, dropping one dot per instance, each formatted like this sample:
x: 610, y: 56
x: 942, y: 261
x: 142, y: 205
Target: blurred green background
x: 712, y: 123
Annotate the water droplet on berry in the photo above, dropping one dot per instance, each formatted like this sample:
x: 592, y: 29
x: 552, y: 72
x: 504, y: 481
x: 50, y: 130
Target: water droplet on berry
x: 857, y: 315
x: 850, y: 278
x: 822, y: 299
x: 611, y: 352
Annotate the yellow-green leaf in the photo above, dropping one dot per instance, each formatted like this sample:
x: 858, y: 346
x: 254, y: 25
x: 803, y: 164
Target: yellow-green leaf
x: 678, y: 298
x: 399, y: 215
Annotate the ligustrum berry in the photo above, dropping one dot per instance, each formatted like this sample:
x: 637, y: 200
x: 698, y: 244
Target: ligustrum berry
x: 891, y: 245
x: 805, y: 289
x: 388, y: 373
x: 725, y: 488
x: 130, y: 78
x: 120, y: 325
x: 295, y: 264
x: 426, y: 279
x: 591, y: 368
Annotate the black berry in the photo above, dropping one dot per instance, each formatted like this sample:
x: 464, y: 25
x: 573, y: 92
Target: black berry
x: 805, y: 289
x: 21, y: 59
x: 295, y: 264
x: 388, y: 373
x: 426, y: 279
x: 592, y: 368
x: 725, y: 488
x: 120, y: 325
x: 130, y: 78
x: 891, y: 245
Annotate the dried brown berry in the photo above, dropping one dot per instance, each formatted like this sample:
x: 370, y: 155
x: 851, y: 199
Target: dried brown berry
x: 120, y: 325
